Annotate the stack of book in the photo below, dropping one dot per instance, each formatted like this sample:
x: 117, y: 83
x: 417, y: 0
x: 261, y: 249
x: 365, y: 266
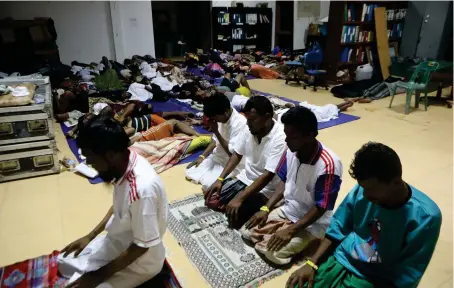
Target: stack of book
x: 351, y: 34
x: 237, y: 47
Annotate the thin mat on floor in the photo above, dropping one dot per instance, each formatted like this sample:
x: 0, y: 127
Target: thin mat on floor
x: 43, y: 272
x: 219, y: 253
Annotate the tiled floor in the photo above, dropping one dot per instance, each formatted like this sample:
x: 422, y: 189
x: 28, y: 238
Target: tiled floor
x: 42, y: 214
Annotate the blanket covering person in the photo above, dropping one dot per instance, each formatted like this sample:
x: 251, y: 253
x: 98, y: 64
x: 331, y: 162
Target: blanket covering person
x: 165, y: 153
x: 383, y: 234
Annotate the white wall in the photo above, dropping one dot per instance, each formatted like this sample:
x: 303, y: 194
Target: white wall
x: 271, y: 4
x: 84, y: 29
x: 300, y: 25
x: 133, y: 28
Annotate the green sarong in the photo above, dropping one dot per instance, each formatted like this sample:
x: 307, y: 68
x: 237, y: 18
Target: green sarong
x: 332, y: 274
x: 108, y: 81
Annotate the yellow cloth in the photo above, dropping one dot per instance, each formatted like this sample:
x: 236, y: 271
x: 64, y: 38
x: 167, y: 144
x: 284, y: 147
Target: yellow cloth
x: 244, y: 91
x: 199, y: 142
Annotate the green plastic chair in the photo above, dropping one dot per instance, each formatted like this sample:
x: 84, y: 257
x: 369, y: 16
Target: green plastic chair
x: 416, y: 82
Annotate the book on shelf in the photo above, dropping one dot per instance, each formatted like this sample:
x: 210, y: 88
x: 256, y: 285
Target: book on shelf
x: 395, y: 31
x: 367, y: 13
x: 395, y: 14
x: 353, y: 55
x: 264, y: 19
x: 223, y: 18
x: 251, y: 19
x: 238, y: 19
x: 352, y: 34
x: 237, y: 33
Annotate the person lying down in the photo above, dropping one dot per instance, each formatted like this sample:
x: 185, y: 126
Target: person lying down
x: 322, y: 113
x: 160, y: 129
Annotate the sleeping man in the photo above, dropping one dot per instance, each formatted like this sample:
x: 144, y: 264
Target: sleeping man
x: 322, y: 113
x: 311, y: 177
x: 132, y: 251
x: 226, y: 124
x: 262, y: 146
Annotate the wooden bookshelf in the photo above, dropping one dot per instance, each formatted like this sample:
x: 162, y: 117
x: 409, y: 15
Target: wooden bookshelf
x: 250, y: 27
x: 355, y: 21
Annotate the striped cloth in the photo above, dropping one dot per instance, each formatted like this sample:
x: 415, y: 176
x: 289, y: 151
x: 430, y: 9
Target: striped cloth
x: 164, y: 153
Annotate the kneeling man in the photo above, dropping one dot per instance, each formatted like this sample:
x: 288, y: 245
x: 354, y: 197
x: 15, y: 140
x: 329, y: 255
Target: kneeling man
x: 262, y: 146
x: 311, y: 178
x: 132, y: 251
x: 226, y: 124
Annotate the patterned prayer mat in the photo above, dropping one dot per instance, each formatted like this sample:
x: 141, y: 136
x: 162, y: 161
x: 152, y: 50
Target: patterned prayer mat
x: 219, y: 253
x: 42, y: 272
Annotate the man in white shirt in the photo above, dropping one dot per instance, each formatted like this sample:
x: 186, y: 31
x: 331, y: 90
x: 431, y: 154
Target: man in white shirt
x: 226, y: 124
x: 262, y: 146
x: 132, y: 251
x: 310, y: 181
x: 140, y: 92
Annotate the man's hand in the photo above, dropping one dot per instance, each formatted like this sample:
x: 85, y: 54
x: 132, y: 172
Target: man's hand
x: 280, y: 239
x: 76, y: 246
x: 259, y: 219
x: 301, y: 276
x: 196, y: 162
x: 70, y: 134
x: 87, y: 280
x: 213, y: 126
x: 232, y: 209
x: 214, y: 188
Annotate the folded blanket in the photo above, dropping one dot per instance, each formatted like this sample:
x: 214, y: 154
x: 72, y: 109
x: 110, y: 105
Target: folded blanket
x: 13, y: 99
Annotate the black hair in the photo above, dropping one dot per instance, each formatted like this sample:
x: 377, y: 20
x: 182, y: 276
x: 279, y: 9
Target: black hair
x: 301, y: 118
x: 376, y: 160
x: 215, y: 105
x: 261, y: 104
x: 101, y: 134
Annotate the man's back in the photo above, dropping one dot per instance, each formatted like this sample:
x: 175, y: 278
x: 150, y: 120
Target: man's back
x: 394, y: 245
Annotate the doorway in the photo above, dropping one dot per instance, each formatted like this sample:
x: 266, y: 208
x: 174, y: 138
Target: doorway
x: 185, y: 21
x: 284, y: 25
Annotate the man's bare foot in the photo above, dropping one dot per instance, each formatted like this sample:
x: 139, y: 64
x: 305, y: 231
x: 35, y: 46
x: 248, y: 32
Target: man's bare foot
x: 365, y: 100
x: 191, y: 121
